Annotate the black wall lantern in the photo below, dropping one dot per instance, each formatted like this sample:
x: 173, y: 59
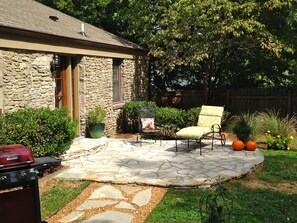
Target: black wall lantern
x: 55, y: 64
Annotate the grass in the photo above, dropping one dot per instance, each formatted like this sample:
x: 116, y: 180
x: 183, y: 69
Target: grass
x: 280, y: 166
x: 178, y: 206
x: 57, y: 197
x: 262, y: 205
x: 266, y: 202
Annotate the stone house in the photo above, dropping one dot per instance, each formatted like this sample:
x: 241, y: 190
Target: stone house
x: 50, y: 59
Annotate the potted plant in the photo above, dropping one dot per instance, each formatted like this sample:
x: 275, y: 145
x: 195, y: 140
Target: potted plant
x: 242, y: 129
x: 96, y: 122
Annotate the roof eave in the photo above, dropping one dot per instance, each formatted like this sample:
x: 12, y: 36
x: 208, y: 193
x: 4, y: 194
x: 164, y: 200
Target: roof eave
x: 51, y: 37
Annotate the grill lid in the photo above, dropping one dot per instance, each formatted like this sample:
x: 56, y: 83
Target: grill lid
x: 15, y: 156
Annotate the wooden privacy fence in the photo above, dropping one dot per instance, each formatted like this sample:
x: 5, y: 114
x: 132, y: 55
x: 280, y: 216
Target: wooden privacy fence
x: 236, y: 101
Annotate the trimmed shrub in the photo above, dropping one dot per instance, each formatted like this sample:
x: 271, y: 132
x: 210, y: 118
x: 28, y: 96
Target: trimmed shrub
x: 171, y: 119
x: 192, y: 116
x: 46, y: 132
x: 129, y: 116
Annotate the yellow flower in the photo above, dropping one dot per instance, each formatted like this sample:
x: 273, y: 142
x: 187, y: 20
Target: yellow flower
x: 288, y: 148
x: 291, y: 137
x: 268, y: 131
x: 278, y: 136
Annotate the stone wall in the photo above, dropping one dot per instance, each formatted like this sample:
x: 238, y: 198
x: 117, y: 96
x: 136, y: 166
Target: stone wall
x: 25, y: 80
x: 96, y: 87
x: 135, y: 79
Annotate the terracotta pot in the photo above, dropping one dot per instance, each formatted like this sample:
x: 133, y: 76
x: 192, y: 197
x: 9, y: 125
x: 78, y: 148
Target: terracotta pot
x: 237, y: 145
x: 251, y: 145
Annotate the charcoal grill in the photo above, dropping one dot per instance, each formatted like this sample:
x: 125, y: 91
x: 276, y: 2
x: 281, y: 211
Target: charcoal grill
x: 19, y: 192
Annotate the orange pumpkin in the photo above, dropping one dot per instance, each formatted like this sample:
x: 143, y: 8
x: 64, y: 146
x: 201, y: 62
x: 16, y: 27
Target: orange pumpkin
x: 237, y: 145
x: 251, y: 145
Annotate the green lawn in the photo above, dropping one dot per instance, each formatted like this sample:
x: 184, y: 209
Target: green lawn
x: 280, y: 166
x: 269, y: 201
x: 57, y: 197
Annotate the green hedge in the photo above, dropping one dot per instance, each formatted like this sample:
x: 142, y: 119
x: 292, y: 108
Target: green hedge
x: 192, y: 116
x: 171, y: 119
x: 46, y: 132
x: 129, y: 118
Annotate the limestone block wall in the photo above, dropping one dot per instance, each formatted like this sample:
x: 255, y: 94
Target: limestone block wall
x: 135, y: 79
x: 96, y: 87
x: 25, y: 80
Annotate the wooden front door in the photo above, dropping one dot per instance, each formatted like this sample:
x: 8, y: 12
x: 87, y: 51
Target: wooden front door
x: 61, y: 86
x: 66, y: 91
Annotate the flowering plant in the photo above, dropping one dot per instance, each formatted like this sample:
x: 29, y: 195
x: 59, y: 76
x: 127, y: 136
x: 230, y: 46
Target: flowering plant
x: 277, y: 142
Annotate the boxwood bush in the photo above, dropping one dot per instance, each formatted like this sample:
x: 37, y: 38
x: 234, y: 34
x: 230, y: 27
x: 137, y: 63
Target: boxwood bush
x: 171, y: 119
x: 192, y: 116
x: 46, y: 132
x: 129, y: 116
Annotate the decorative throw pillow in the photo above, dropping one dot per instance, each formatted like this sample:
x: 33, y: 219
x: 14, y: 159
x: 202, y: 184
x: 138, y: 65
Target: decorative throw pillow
x: 148, y: 123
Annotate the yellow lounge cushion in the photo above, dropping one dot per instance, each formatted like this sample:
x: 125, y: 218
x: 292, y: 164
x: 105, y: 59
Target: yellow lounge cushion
x: 212, y: 110
x: 192, y: 132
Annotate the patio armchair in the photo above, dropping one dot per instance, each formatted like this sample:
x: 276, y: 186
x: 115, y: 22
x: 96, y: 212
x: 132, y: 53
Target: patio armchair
x: 147, y: 124
x: 208, y: 127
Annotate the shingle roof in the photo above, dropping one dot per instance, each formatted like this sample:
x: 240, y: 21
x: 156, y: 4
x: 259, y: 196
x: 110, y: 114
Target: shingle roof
x: 33, y: 16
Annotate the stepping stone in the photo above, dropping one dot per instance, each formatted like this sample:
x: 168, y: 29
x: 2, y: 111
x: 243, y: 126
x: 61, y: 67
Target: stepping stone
x: 129, y: 189
x: 71, y: 217
x: 125, y: 205
x: 88, y: 204
x: 142, y: 197
x: 107, y: 192
x: 110, y: 217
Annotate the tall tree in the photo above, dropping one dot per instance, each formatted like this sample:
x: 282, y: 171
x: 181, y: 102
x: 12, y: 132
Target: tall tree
x: 207, y: 35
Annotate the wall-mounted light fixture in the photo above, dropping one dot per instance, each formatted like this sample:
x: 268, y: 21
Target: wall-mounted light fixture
x: 55, y: 64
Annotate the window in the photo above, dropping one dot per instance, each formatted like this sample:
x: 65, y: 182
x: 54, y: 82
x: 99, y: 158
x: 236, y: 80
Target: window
x: 116, y: 80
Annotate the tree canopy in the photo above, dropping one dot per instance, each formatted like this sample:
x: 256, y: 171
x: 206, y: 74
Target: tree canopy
x: 100, y: 13
x: 223, y: 39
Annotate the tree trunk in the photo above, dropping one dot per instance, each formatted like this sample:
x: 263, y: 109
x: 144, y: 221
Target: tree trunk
x: 206, y: 81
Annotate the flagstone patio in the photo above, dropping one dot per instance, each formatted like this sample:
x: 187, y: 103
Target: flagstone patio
x: 123, y: 161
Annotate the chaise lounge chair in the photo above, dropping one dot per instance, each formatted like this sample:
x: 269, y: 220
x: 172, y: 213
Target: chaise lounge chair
x: 209, y: 126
